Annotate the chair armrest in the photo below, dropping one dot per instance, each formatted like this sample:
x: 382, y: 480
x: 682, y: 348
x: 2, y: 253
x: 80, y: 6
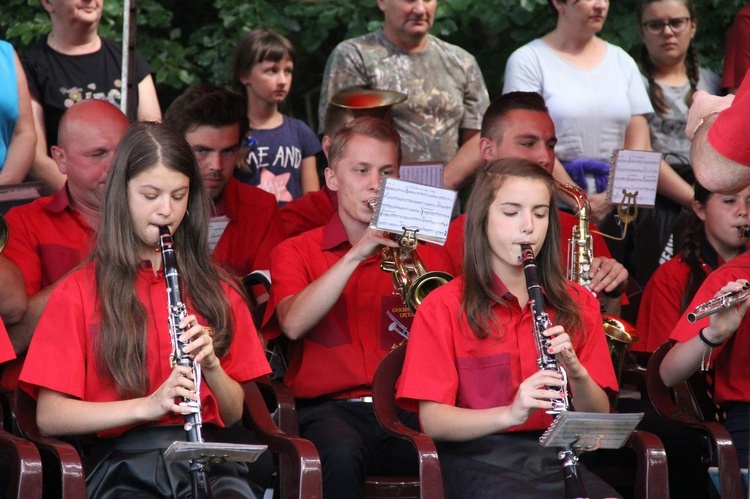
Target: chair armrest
x: 72, y: 480
x: 722, y: 446
x: 285, y: 413
x: 299, y: 462
x: 25, y: 473
x: 384, y: 401
x: 652, y: 476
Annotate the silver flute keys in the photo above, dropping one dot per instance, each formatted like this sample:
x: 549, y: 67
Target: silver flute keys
x: 718, y: 304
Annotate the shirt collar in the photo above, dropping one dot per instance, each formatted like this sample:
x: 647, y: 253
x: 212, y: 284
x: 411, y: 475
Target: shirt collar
x: 59, y: 201
x: 334, y: 233
x: 499, y: 288
x: 222, y: 207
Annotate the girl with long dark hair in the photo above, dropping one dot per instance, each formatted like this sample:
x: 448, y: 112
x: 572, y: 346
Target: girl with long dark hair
x: 99, y: 362
x: 471, y: 361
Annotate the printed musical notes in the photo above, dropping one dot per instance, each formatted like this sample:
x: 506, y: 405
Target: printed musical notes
x: 414, y: 206
x: 635, y: 172
x: 422, y: 173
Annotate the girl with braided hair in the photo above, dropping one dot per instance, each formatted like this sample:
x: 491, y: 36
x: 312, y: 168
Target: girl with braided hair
x: 711, y: 238
x: 671, y: 72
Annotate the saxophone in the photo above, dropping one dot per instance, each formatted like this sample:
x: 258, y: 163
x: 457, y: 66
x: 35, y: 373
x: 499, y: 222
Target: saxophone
x: 619, y: 333
x: 177, y: 312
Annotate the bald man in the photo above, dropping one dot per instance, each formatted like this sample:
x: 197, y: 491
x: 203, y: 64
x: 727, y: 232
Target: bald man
x: 53, y: 234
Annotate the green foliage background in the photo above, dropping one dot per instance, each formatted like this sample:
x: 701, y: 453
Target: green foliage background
x: 188, y: 42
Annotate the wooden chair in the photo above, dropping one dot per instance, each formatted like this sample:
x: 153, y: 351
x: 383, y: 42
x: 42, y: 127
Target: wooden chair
x: 300, y: 474
x: 61, y: 463
x: 651, y: 473
x: 21, y: 462
x: 681, y: 405
x: 429, y: 483
x: 24, y: 467
x: 285, y: 414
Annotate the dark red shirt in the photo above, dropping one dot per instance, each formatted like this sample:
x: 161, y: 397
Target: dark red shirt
x: 254, y: 228
x: 61, y: 356
x: 338, y: 357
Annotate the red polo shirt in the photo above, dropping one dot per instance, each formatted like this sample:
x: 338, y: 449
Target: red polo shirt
x: 254, y: 228
x: 447, y: 363
x: 338, y: 357
x: 454, y: 245
x: 660, y: 303
x: 61, y: 356
x: 6, y: 348
x: 48, y: 239
x: 310, y: 211
x: 728, y: 134
x: 731, y: 362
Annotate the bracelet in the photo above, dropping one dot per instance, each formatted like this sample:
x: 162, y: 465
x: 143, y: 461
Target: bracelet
x: 707, y: 342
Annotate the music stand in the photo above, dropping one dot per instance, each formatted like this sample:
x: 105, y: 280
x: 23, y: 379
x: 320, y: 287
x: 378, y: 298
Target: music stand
x: 586, y: 431
x: 213, y: 452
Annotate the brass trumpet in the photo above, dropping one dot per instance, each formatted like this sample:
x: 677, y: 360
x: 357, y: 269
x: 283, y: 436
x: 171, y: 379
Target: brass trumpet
x: 744, y: 231
x: 718, y: 304
x: 410, y: 276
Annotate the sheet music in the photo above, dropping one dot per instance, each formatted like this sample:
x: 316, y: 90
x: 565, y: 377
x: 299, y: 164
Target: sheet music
x: 634, y: 171
x: 216, y: 228
x: 610, y: 431
x: 422, y: 173
x: 414, y: 206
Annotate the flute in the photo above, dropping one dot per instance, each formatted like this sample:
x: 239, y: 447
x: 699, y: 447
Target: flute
x: 719, y: 303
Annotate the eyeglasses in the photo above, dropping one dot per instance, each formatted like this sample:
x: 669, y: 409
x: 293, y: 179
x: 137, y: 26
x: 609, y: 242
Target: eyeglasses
x: 656, y: 26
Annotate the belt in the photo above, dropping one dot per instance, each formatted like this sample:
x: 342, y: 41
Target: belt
x: 367, y: 399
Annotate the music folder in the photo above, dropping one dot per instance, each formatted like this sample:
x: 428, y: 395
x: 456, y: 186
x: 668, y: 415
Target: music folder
x: 213, y: 452
x: 586, y: 431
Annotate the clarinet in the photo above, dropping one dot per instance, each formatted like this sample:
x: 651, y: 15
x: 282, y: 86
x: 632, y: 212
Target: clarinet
x: 177, y: 312
x: 573, y: 484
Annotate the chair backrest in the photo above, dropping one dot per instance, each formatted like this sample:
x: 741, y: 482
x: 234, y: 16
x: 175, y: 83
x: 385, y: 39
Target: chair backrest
x: 384, y: 401
x: 62, y: 468
x: 680, y: 406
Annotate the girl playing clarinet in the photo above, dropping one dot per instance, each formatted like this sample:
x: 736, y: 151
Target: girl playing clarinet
x: 99, y: 362
x: 484, y: 399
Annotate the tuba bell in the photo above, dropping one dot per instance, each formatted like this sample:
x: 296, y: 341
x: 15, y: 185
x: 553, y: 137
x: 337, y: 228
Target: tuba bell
x: 410, y: 277
x: 620, y: 334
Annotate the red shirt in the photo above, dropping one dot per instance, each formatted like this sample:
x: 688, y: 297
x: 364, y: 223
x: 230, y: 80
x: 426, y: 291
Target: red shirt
x: 454, y: 246
x: 254, y: 228
x: 730, y: 362
x: 447, y: 363
x: 728, y: 134
x: 310, y: 211
x: 48, y: 239
x: 660, y: 304
x: 338, y: 357
x: 6, y: 348
x: 737, y: 51
x: 61, y: 356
